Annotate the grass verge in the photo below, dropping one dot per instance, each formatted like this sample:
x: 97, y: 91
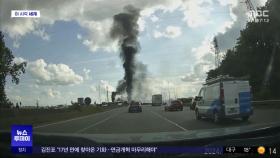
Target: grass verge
x: 37, y: 117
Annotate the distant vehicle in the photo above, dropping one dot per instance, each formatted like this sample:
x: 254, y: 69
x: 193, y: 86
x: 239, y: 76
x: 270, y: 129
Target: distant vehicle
x: 157, y: 100
x: 175, y: 105
x: 59, y: 107
x: 119, y: 103
x: 104, y: 104
x: 134, y: 107
x: 224, y: 97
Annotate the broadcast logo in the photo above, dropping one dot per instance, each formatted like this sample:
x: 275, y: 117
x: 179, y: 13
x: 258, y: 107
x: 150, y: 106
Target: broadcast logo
x: 21, y: 139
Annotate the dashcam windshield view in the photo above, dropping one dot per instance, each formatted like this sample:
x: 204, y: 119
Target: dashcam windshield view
x: 152, y: 78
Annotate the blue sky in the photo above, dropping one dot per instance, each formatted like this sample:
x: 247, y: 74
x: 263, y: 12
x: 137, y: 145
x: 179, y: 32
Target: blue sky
x: 69, y: 53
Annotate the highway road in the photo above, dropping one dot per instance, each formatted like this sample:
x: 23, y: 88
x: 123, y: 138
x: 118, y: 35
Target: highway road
x: 152, y: 119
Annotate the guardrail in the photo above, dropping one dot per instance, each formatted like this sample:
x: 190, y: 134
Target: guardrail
x: 266, y: 103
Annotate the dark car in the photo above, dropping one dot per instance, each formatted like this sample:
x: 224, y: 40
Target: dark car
x: 134, y: 107
x: 176, y: 105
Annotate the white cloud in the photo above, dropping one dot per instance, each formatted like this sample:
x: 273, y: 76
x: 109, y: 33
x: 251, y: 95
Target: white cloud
x: 79, y: 36
x: 231, y: 31
x: 42, y: 33
x: 205, y: 48
x: 16, y: 44
x: 98, y: 37
x: 94, y: 16
x: 19, y: 60
x: 93, y: 88
x: 228, y: 2
x: 53, y: 93
x: 204, y: 61
x: 53, y: 74
x: 199, y: 72
x: 141, y: 23
x: 87, y: 74
x: 169, y: 32
x: 154, y: 18
x: 197, y: 12
x: 105, y: 85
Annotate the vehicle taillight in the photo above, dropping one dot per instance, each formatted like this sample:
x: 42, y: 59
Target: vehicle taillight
x: 222, y: 94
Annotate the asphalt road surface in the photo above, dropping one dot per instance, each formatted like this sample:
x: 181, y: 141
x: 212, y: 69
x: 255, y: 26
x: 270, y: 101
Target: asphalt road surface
x: 152, y: 119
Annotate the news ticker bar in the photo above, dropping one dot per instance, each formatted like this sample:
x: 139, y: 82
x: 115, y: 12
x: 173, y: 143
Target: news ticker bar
x: 259, y: 150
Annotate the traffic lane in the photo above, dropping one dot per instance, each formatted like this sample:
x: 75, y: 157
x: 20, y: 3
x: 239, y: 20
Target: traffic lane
x: 145, y: 122
x: 75, y: 125
x: 152, y: 119
x: 187, y: 120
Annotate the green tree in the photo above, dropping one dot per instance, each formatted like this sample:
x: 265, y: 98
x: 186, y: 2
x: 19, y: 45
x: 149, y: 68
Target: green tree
x: 8, y: 68
x: 257, y: 55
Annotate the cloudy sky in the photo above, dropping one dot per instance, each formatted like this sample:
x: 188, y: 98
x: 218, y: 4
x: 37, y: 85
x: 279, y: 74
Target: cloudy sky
x: 70, y: 54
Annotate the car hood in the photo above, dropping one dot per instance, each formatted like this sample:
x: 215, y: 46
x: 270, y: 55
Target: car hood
x: 167, y: 136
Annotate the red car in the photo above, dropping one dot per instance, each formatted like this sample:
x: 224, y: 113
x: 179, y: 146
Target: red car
x: 174, y: 106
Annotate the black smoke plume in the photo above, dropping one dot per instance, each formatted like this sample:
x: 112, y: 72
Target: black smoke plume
x: 125, y: 29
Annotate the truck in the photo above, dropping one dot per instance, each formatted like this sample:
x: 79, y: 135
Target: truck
x: 224, y: 97
x: 157, y: 100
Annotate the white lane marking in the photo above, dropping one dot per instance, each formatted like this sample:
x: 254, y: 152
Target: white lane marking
x: 97, y: 123
x: 73, y: 119
x: 160, y: 116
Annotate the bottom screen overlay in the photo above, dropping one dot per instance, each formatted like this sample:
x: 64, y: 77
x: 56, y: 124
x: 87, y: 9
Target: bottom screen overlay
x: 260, y: 150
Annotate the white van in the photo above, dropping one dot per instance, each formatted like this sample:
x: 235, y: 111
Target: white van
x: 224, y: 97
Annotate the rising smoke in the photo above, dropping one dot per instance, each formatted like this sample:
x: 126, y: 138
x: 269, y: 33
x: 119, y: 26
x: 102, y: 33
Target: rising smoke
x: 125, y: 30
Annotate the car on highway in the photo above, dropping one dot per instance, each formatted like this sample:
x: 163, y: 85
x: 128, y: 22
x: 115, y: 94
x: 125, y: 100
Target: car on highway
x: 224, y: 97
x: 134, y: 107
x: 175, y: 105
x: 119, y: 103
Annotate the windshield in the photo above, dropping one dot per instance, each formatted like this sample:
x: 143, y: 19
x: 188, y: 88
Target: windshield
x: 76, y: 67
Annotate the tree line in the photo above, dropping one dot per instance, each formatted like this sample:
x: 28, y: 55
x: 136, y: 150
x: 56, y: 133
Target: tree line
x: 256, y: 55
x: 8, y: 68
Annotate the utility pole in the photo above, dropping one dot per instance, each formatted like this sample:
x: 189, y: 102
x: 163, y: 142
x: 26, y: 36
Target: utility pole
x: 175, y: 93
x: 217, y: 52
x: 107, y: 94
x: 162, y: 93
x: 99, y: 93
x: 251, y: 9
x: 168, y: 92
x: 37, y: 103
